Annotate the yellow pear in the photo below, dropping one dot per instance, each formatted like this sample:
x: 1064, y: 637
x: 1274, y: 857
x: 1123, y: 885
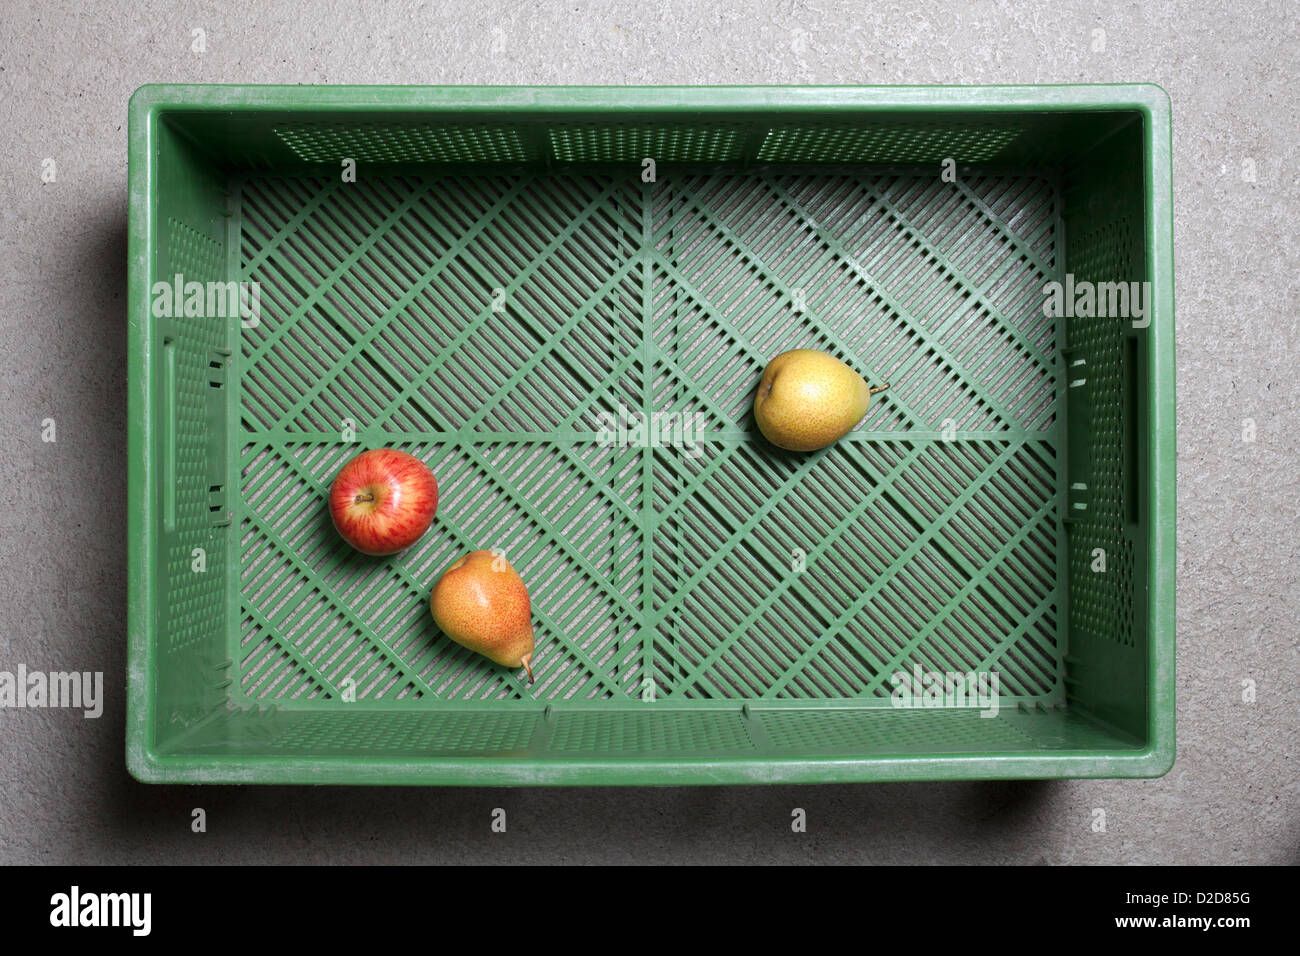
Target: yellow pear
x: 807, y: 400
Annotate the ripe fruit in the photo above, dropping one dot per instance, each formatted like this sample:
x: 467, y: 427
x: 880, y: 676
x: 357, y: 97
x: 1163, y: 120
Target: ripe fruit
x: 481, y: 602
x: 807, y: 399
x: 383, y: 500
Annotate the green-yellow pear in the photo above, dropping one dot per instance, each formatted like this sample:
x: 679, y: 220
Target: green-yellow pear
x: 807, y: 399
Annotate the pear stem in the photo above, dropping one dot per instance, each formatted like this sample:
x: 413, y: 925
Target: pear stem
x: 878, y: 388
x: 527, y: 661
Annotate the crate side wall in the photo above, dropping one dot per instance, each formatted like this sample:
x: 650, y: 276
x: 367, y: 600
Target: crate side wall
x: 476, y: 141
x: 190, y: 340
x: 1106, y: 231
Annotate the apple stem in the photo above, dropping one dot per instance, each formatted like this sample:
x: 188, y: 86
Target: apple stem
x: 364, y: 497
x: 527, y: 661
x: 878, y: 388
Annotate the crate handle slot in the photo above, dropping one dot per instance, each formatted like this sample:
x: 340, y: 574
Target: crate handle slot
x: 1132, y: 407
x: 215, y: 419
x: 169, y: 435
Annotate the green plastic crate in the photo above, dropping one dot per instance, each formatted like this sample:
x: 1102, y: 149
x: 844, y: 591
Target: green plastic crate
x: 500, y: 279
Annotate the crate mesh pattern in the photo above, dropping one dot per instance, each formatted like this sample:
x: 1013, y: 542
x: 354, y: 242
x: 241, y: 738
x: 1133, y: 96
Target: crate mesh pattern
x: 197, y: 597
x: 1102, y: 606
x: 490, y: 325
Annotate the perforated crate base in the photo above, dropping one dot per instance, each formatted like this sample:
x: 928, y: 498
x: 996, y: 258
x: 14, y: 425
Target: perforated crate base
x: 487, y: 324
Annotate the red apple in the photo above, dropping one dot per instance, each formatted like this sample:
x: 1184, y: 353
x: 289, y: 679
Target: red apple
x: 383, y: 500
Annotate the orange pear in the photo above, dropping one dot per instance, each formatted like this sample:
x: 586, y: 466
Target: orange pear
x: 481, y: 602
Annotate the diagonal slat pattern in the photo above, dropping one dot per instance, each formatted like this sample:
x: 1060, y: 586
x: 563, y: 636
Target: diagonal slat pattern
x: 496, y: 326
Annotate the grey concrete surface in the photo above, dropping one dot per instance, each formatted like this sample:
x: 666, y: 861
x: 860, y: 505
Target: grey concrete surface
x: 66, y: 72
